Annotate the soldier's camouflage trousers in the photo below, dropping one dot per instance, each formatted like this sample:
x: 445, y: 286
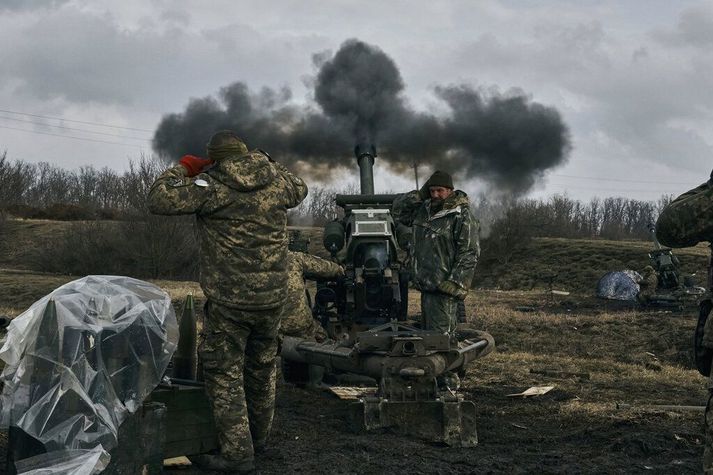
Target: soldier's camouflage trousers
x: 238, y: 357
x: 439, y: 312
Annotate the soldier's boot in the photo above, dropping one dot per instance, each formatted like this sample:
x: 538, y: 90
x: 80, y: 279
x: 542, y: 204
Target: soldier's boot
x: 316, y: 374
x: 219, y: 463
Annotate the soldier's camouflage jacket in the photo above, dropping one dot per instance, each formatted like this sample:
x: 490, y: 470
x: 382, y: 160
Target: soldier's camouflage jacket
x: 241, y: 210
x: 445, y: 244
x: 297, y: 317
x: 686, y: 221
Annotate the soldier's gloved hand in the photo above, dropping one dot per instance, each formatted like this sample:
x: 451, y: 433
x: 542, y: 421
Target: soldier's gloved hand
x: 194, y: 165
x: 452, y: 289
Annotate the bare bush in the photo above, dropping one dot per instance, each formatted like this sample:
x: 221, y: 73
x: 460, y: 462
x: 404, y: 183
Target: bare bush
x: 320, y: 207
x: 155, y: 247
x: 85, y: 247
x: 160, y: 247
x: 141, y: 244
x: 514, y: 229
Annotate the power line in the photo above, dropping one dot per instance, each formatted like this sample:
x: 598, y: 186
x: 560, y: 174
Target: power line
x: 73, y: 128
x: 621, y: 180
x: 616, y: 190
x: 75, y: 121
x: 71, y: 137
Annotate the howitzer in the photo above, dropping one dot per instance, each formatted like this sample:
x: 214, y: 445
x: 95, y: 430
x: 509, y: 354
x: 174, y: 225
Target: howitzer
x: 365, y: 314
x: 664, y: 263
x: 673, y: 287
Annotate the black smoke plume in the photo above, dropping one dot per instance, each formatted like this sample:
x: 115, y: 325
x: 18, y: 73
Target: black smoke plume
x: 505, y: 139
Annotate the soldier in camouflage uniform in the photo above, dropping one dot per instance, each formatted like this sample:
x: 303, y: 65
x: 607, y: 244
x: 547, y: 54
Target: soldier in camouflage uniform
x: 445, y: 247
x: 240, y: 199
x: 648, y: 285
x: 687, y: 221
x: 297, y: 320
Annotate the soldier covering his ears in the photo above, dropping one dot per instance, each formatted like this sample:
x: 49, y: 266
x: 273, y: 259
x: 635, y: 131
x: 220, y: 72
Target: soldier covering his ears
x: 240, y: 199
x: 445, y: 247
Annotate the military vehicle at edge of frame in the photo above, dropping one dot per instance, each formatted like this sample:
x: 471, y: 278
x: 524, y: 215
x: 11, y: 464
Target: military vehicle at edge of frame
x: 365, y: 315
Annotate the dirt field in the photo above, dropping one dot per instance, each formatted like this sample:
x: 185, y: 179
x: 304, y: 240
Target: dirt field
x: 628, y: 359
x: 599, y: 421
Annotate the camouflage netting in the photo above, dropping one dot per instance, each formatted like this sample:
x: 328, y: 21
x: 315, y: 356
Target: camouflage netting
x: 619, y: 285
x: 78, y: 361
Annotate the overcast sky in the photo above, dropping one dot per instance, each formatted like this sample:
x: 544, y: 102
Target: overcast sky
x: 633, y: 80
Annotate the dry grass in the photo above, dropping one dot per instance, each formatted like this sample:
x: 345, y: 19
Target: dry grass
x: 19, y: 289
x: 632, y: 357
x: 21, y: 236
x: 576, y: 264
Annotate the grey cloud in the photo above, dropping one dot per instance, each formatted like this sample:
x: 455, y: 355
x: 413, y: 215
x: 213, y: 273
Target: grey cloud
x: 694, y: 28
x: 640, y: 54
x: 151, y: 67
x: 97, y: 62
x: 639, y: 105
x: 27, y: 5
x: 175, y: 16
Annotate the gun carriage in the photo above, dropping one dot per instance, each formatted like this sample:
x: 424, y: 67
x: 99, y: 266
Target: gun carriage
x: 365, y: 314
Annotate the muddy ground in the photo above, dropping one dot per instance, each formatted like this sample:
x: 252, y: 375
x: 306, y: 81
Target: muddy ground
x: 598, y: 421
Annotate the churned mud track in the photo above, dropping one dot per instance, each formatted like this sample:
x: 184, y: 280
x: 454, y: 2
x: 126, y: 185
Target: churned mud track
x: 545, y: 435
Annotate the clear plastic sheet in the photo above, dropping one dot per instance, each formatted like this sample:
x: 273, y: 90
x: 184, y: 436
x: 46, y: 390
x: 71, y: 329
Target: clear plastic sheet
x: 619, y: 285
x: 65, y: 462
x: 83, y: 357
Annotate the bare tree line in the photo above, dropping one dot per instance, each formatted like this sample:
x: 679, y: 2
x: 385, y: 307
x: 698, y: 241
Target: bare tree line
x: 46, y: 190
x: 114, y: 233
x: 560, y: 216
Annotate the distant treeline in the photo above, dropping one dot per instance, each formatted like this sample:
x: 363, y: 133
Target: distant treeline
x: 113, y: 232
x: 560, y: 216
x: 47, y: 191
x: 43, y: 190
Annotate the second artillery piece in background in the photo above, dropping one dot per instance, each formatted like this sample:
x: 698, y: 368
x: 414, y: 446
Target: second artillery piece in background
x: 365, y: 314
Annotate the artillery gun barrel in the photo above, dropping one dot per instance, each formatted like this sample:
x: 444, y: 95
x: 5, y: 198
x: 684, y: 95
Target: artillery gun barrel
x: 652, y: 231
x: 365, y: 154
x: 366, y: 174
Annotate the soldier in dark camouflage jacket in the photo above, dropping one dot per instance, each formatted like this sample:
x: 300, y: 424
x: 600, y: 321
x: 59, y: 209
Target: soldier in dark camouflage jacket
x: 445, y: 247
x: 240, y: 199
x: 686, y: 221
